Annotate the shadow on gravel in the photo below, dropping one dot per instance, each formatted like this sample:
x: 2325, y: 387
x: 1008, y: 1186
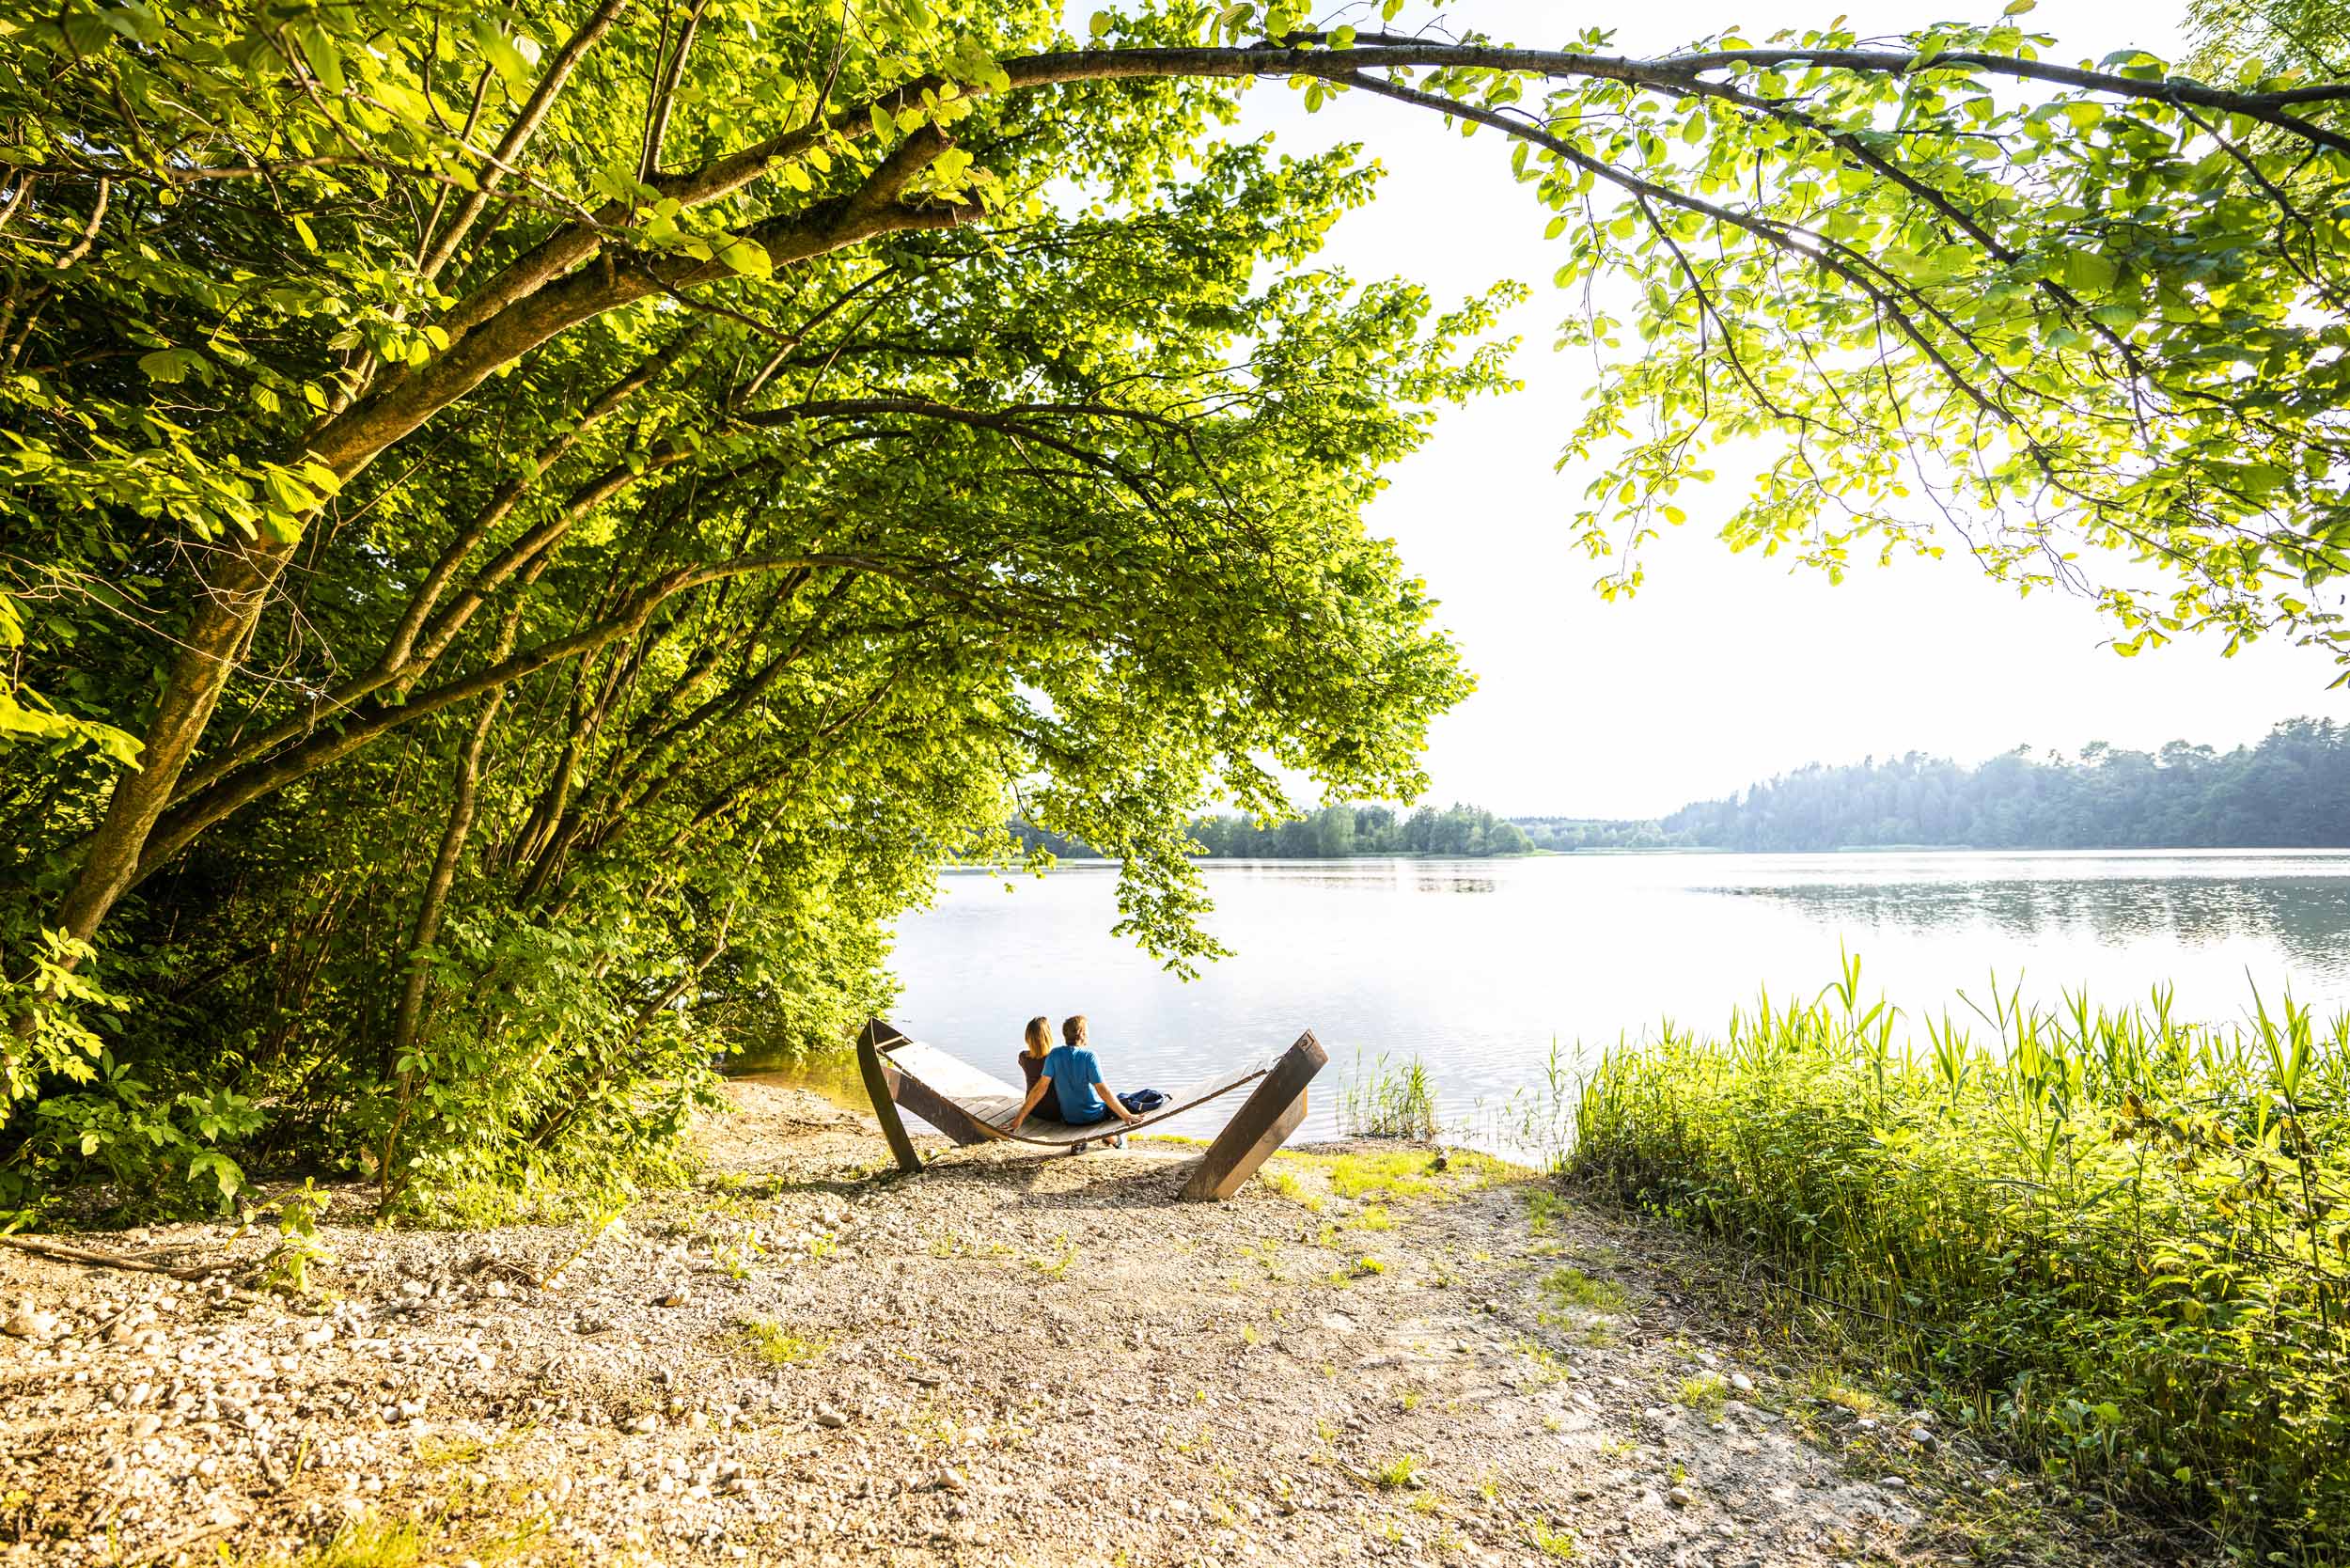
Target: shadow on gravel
x: 1146, y: 1187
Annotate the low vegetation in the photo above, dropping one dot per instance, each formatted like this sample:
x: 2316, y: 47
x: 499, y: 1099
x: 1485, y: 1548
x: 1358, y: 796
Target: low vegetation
x: 1385, y: 1101
x: 2117, y: 1240
x: 778, y: 1345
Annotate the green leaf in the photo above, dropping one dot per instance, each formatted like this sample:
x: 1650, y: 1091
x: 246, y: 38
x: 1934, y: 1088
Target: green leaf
x: 748, y: 258
x: 170, y: 364
x: 319, y: 51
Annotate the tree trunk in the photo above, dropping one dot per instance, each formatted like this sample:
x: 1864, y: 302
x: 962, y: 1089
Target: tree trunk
x: 230, y: 606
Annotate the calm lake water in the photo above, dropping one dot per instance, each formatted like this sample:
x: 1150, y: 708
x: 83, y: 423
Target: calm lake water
x: 1478, y: 967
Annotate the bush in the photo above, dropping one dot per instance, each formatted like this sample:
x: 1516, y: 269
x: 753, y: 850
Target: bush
x: 2118, y: 1240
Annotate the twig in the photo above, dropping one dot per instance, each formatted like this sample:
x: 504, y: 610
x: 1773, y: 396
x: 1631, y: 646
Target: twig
x: 112, y: 1260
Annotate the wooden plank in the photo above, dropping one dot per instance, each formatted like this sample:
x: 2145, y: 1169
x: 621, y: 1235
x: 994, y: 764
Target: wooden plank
x: 1264, y: 1122
x: 879, y: 1086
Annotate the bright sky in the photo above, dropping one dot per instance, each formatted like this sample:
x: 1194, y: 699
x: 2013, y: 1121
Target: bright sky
x: 1725, y: 669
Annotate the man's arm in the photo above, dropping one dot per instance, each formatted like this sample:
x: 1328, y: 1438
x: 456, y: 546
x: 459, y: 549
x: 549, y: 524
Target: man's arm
x: 1117, y: 1108
x: 1036, y: 1092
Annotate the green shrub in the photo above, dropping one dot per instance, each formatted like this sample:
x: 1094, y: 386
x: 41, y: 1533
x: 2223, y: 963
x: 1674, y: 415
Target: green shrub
x: 2118, y: 1240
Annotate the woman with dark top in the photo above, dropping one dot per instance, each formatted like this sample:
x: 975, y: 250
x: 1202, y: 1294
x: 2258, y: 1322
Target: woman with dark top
x: 1074, y: 1080
x: 1036, y: 1043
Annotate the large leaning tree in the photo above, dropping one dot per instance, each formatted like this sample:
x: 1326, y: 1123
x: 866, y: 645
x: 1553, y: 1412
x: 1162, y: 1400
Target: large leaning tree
x: 525, y: 521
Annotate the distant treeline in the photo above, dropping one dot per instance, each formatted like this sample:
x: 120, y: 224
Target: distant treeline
x: 1594, y: 833
x: 1329, y: 834
x: 2290, y: 792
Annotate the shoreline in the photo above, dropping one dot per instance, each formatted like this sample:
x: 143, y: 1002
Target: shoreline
x: 799, y: 1360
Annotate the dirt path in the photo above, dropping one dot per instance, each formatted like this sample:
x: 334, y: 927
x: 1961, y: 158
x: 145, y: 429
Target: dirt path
x: 1007, y: 1361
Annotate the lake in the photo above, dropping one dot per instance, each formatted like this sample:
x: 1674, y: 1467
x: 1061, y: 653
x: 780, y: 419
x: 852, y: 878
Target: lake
x: 1478, y: 967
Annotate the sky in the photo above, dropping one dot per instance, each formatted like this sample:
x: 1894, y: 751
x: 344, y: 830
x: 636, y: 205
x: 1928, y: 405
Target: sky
x: 1724, y: 668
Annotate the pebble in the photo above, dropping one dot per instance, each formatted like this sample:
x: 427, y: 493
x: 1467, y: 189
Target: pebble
x: 1741, y: 1382
x: 1681, y: 1497
x: 827, y: 1416
x: 32, y: 1325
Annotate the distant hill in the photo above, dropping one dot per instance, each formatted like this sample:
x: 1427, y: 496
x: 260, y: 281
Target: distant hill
x: 2292, y: 791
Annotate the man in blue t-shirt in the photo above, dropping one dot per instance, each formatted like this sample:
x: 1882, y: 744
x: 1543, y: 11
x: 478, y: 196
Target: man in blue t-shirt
x: 1075, y: 1081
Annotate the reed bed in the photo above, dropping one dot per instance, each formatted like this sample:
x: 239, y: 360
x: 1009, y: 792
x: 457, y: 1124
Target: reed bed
x: 1388, y: 1102
x: 2116, y: 1239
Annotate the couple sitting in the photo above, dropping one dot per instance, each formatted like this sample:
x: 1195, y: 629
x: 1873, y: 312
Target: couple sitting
x: 1074, y: 1078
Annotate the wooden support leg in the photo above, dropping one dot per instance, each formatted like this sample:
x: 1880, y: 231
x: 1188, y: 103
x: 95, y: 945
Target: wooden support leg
x: 877, y: 1087
x: 1264, y: 1122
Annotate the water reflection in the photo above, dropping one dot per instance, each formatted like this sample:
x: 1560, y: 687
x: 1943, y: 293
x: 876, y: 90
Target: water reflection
x: 1434, y: 879
x: 2307, y: 918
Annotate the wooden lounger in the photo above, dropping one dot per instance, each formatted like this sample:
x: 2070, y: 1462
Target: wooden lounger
x: 969, y: 1106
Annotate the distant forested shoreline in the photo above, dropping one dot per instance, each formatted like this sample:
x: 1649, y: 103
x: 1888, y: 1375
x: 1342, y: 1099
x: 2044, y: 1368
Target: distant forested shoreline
x: 1332, y: 833
x: 2290, y: 791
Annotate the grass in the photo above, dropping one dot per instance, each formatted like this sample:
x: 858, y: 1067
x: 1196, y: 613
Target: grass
x: 502, y: 1535
x: 1288, y: 1185
x: 1555, y: 1543
x: 1055, y: 1266
x: 1572, y: 1286
x: 2116, y: 1241
x: 1388, y: 1101
x: 1706, y: 1393
x: 1390, y: 1475
x: 778, y: 1346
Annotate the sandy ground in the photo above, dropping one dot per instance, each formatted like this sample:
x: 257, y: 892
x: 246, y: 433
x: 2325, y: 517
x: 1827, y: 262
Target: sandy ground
x: 1007, y: 1360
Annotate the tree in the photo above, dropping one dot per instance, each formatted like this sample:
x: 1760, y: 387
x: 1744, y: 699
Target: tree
x: 669, y: 428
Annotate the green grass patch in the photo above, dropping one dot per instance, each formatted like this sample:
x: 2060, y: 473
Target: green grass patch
x: 1286, y: 1183
x: 1572, y: 1286
x: 1390, y: 1475
x: 777, y: 1345
x: 1558, y: 1544
x: 1706, y: 1393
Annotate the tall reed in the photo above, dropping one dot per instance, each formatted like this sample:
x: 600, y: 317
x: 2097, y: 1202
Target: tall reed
x: 1385, y: 1101
x: 2117, y: 1238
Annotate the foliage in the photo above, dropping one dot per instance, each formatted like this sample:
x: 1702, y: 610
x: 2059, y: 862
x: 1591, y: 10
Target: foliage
x: 2291, y: 790
x: 2118, y: 1240
x: 602, y: 731
x: 526, y: 533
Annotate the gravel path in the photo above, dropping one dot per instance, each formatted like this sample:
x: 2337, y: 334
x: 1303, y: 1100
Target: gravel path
x: 1009, y: 1360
